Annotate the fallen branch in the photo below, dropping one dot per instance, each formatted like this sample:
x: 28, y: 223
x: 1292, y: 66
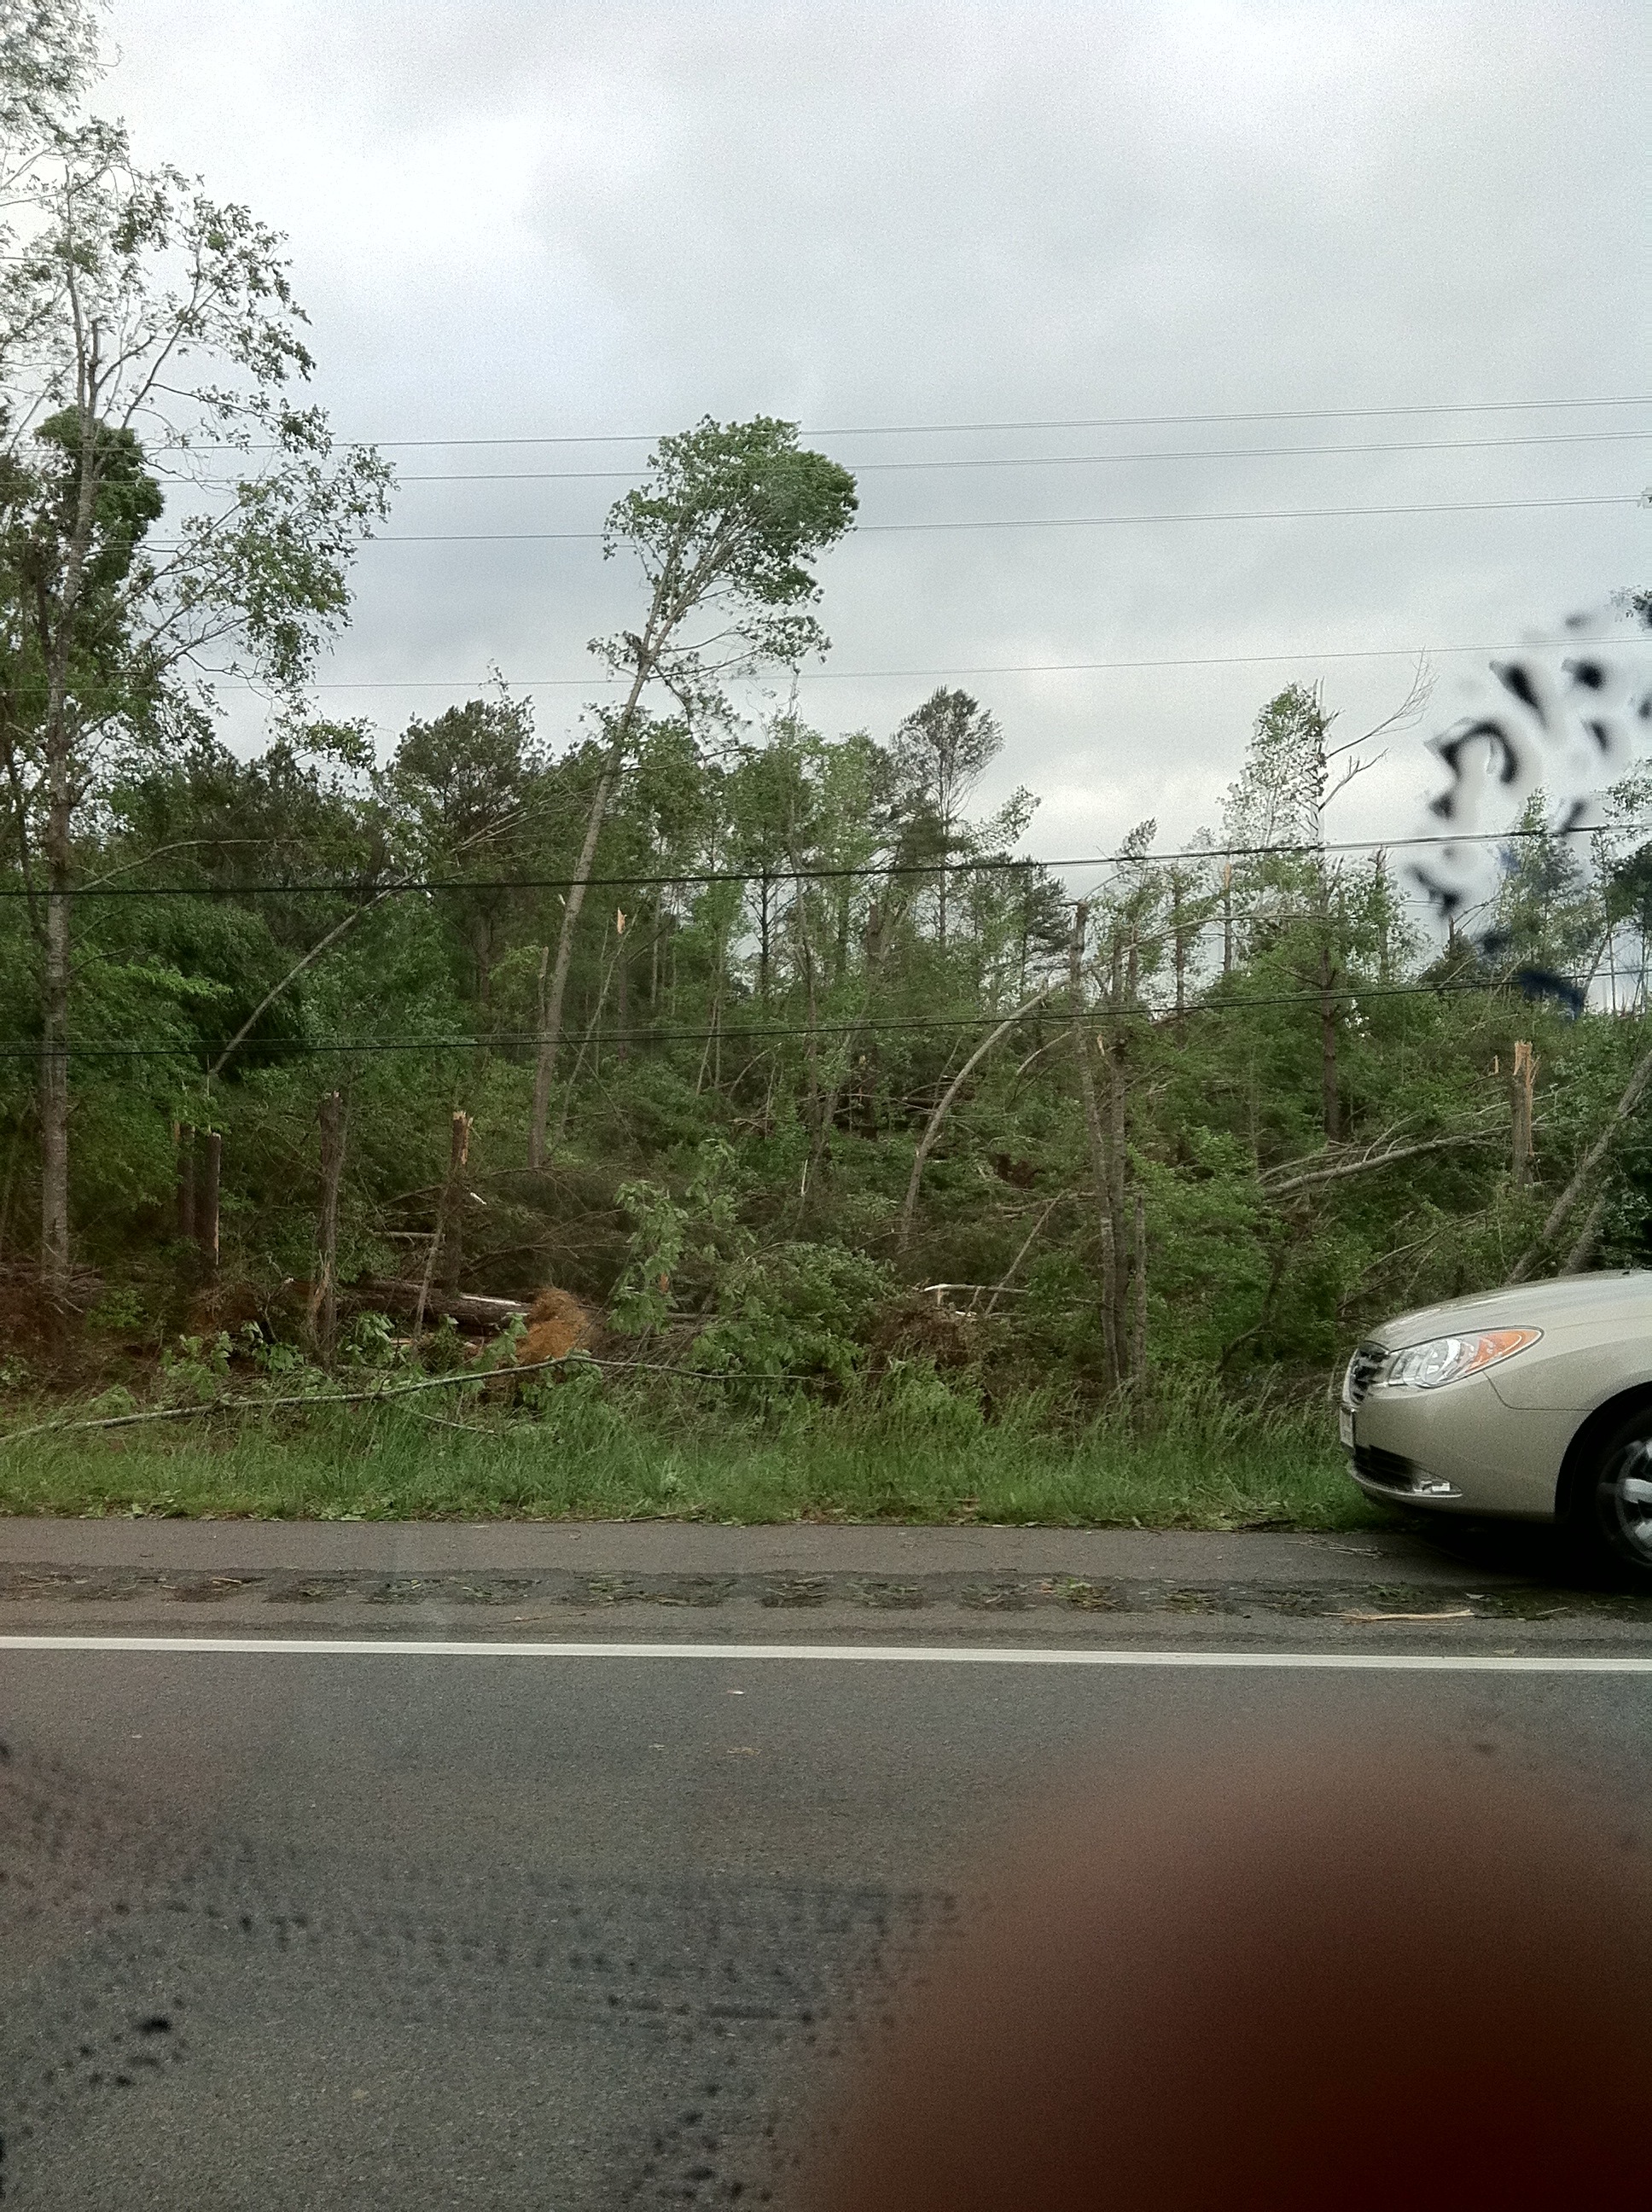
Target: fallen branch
x: 932, y: 1128
x: 1588, y: 1237
x: 1004, y: 1281
x: 379, y: 1396
x: 1376, y: 1160
x: 1641, y: 1076
x: 291, y: 976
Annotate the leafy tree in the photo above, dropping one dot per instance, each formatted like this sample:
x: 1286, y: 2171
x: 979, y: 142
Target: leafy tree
x: 940, y: 753
x: 148, y: 335
x: 465, y: 786
x: 724, y: 528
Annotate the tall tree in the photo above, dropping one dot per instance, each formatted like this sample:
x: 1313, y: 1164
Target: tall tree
x: 465, y: 783
x: 724, y: 528
x: 940, y: 753
x: 150, y: 335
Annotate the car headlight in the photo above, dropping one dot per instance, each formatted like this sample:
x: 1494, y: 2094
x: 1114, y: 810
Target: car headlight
x: 1449, y: 1359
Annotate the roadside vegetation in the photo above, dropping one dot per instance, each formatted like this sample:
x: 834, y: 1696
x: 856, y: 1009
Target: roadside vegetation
x: 849, y: 1162
x: 915, y: 1451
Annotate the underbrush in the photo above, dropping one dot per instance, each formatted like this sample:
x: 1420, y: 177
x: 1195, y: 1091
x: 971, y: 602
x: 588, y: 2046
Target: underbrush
x: 912, y: 1447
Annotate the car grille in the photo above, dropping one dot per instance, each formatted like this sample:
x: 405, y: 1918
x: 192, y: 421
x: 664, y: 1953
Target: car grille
x: 1363, y: 1371
x: 1385, y: 1469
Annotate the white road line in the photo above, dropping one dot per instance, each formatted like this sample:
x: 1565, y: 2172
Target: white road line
x: 900, y: 1654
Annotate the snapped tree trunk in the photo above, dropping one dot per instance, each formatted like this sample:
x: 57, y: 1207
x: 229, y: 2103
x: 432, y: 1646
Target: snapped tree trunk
x: 324, y: 1302
x: 1525, y: 1077
x: 446, y: 1231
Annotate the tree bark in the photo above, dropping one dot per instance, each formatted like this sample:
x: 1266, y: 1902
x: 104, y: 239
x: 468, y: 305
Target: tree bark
x: 57, y: 747
x: 324, y: 1306
x: 1329, y: 1104
x: 184, y: 1139
x: 1525, y: 1075
x: 550, y: 1032
x: 206, y: 1206
x: 623, y: 990
x: 54, y: 1088
x: 452, y: 1231
x: 1139, y: 1293
x: 453, y: 1197
x: 1111, y: 1346
x: 1227, y: 918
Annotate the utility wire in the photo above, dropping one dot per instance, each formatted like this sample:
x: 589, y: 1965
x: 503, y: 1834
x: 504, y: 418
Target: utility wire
x: 1040, y: 522
x: 1083, y: 460
x: 1007, y: 668
x: 1085, y: 422
x: 1347, y: 993
x: 370, y: 888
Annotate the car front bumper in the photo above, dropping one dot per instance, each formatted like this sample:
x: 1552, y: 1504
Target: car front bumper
x: 1457, y: 1449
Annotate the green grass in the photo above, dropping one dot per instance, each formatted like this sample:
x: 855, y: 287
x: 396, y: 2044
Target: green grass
x: 922, y: 1454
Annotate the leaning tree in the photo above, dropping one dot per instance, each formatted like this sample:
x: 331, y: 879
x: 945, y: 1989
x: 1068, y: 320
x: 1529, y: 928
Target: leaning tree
x: 724, y: 527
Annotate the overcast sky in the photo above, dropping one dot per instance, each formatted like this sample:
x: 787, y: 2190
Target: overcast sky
x: 518, y: 219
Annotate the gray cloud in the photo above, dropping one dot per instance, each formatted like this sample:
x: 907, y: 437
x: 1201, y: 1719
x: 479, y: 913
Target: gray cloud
x: 556, y: 219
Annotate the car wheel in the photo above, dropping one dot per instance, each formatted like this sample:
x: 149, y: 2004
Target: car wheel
x: 1615, y: 1515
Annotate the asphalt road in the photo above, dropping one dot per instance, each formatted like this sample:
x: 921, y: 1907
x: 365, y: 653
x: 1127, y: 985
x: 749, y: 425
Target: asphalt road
x: 356, y: 1923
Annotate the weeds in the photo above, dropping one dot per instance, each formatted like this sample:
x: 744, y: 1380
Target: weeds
x: 913, y: 1448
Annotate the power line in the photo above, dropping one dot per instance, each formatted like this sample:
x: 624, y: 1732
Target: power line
x: 179, y: 1049
x: 1007, y: 668
x: 1082, y: 422
x: 1080, y: 460
x: 368, y: 887
x: 1043, y: 522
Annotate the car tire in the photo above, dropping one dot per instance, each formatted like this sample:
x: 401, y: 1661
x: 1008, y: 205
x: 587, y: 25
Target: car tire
x: 1612, y: 1506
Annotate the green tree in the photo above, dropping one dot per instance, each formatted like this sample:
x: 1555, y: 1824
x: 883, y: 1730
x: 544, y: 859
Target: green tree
x: 940, y: 753
x: 724, y: 527
x: 149, y: 337
x: 465, y: 785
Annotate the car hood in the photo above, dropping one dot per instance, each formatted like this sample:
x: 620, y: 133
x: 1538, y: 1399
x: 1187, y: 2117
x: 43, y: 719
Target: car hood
x: 1572, y: 1301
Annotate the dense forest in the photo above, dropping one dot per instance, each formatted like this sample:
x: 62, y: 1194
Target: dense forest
x: 759, y: 1044
x: 825, y: 1044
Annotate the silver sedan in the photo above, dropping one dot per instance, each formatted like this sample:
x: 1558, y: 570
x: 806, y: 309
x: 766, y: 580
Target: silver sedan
x: 1533, y: 1403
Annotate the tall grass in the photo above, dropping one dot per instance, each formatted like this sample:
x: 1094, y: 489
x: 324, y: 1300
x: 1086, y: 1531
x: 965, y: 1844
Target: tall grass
x: 912, y: 1452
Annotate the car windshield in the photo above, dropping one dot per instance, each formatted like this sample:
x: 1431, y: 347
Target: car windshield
x: 824, y: 1194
